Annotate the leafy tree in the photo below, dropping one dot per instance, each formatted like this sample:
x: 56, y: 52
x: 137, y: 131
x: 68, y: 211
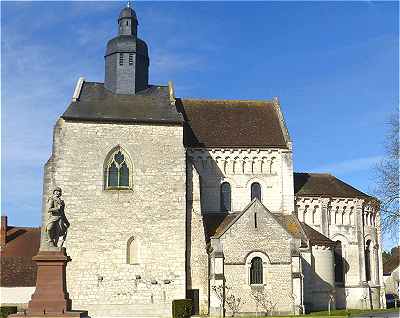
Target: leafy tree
x: 385, y: 256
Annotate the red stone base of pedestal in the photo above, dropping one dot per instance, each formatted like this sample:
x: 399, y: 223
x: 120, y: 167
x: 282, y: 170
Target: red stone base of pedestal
x: 51, y: 298
x: 68, y: 314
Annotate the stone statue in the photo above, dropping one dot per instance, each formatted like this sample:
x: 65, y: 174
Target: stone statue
x: 57, y: 223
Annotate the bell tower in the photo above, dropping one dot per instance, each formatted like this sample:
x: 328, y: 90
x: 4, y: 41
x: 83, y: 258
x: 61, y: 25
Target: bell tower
x: 126, y: 58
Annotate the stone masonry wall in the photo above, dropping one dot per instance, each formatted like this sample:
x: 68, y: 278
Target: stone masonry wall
x: 272, y: 168
x: 269, y: 241
x: 197, y: 257
x: 352, y: 222
x: 99, y: 277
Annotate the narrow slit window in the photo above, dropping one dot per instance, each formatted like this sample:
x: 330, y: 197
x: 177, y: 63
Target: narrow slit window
x: 121, y: 58
x: 225, y: 197
x: 130, y: 58
x: 339, y: 264
x: 255, y: 220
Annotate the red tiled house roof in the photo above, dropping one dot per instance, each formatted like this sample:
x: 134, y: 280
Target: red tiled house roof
x: 20, y: 244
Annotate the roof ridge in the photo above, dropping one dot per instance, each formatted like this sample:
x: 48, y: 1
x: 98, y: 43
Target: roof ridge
x: 254, y: 101
x: 317, y: 173
x: 149, y: 86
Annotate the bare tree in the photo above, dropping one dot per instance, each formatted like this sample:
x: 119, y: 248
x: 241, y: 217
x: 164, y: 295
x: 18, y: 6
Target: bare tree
x: 263, y: 300
x: 233, y: 302
x: 388, y: 180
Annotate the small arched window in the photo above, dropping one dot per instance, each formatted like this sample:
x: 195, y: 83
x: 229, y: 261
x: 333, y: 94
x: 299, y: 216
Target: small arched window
x: 225, y: 197
x: 117, y: 170
x: 255, y: 191
x: 132, y: 251
x: 256, y: 271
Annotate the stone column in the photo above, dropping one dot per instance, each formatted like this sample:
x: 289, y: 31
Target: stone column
x: 325, y: 221
x: 359, y: 217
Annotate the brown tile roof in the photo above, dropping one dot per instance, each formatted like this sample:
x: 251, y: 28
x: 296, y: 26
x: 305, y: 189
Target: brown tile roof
x: 323, y: 184
x: 17, y: 268
x: 231, y: 123
x: 394, y: 262
x: 292, y: 225
x: 217, y: 223
x: 315, y: 237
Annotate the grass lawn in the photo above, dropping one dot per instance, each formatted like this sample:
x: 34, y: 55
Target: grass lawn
x: 334, y: 313
x: 348, y: 312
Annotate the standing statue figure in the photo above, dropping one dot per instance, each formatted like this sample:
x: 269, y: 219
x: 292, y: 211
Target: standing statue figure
x: 57, y: 223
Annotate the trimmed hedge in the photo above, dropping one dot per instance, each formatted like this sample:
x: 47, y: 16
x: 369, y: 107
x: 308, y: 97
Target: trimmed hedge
x: 181, y: 308
x: 7, y: 310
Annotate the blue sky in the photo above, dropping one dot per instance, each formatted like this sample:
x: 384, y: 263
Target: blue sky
x: 333, y: 65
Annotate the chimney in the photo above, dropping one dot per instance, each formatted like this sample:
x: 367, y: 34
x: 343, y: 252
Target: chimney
x: 3, y: 231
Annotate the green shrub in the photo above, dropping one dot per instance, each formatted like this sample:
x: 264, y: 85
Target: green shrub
x: 181, y: 308
x: 7, y: 310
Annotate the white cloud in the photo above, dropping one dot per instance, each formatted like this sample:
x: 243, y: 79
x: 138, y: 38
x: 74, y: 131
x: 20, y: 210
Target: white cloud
x: 351, y: 165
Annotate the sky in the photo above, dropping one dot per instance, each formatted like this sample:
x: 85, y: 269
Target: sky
x: 333, y: 65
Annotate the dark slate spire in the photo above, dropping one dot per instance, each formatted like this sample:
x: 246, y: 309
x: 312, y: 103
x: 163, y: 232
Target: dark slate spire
x: 127, y: 21
x: 126, y: 59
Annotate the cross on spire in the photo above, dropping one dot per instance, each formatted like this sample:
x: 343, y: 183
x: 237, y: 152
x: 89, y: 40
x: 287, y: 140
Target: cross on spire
x: 128, y: 4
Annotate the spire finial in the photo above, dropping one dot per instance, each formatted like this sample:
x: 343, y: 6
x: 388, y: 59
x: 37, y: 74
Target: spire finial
x: 128, y: 5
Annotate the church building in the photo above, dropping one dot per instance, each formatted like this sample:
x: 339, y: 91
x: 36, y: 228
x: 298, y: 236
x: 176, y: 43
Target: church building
x: 171, y: 198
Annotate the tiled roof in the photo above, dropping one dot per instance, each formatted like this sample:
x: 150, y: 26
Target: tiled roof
x: 215, y: 223
x: 17, y: 268
x: 218, y: 223
x: 292, y: 225
x: 315, y: 237
x: 96, y: 103
x: 231, y: 123
x: 322, y: 184
x: 394, y: 262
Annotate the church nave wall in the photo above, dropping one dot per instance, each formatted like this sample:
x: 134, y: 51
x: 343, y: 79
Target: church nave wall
x: 271, y: 168
x: 150, y: 212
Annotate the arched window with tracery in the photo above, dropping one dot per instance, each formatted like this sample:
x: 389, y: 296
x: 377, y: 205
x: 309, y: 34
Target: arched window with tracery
x: 117, y: 171
x: 256, y: 271
x: 225, y: 197
x: 255, y: 191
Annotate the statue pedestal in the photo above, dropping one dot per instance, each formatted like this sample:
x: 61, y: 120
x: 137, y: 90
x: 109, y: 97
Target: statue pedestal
x: 51, y: 298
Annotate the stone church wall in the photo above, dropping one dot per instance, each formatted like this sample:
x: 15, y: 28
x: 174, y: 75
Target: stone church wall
x: 351, y: 221
x: 99, y: 277
x: 272, y: 168
x: 269, y: 241
x: 196, y: 257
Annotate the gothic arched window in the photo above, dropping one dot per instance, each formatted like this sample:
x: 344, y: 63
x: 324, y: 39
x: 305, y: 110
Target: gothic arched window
x: 255, y: 191
x: 256, y: 271
x: 225, y: 197
x: 117, y: 170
